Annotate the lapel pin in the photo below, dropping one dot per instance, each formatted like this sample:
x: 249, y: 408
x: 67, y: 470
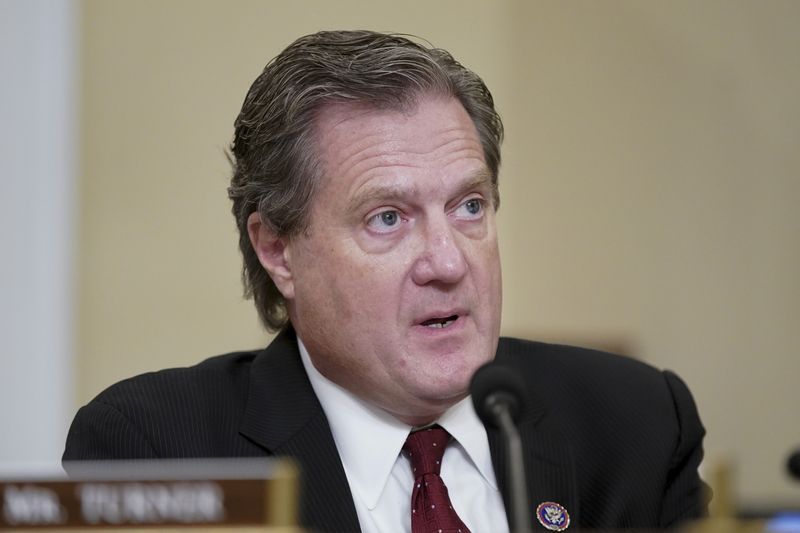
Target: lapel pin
x: 552, y: 516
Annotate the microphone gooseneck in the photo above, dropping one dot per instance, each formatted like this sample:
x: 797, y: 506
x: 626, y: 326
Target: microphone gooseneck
x: 498, y: 395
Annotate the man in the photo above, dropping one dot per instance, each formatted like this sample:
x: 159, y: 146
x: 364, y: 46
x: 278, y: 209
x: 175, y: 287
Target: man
x: 365, y: 190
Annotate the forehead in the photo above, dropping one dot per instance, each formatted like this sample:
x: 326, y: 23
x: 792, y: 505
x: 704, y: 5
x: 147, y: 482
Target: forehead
x: 358, y: 143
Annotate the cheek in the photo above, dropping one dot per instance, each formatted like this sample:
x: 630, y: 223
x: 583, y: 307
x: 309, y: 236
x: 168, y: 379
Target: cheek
x: 319, y: 276
x: 345, y: 284
x: 378, y: 291
x: 488, y: 281
x: 484, y: 256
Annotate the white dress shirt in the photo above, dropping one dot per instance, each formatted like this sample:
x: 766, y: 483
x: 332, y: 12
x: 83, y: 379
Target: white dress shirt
x: 370, y: 440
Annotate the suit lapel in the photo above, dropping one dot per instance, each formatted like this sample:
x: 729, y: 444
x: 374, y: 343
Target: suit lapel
x: 284, y: 416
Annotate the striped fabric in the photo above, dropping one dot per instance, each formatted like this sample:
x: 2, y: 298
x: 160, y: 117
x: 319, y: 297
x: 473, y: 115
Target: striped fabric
x: 614, y: 441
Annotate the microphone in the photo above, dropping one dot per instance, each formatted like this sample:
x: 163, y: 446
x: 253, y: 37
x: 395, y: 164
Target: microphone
x: 498, y: 395
x: 793, y: 464
x: 496, y: 390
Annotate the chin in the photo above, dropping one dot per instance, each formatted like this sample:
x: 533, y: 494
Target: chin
x: 446, y: 391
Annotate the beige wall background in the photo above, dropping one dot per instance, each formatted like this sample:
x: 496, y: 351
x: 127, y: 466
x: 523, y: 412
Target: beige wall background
x: 649, y: 188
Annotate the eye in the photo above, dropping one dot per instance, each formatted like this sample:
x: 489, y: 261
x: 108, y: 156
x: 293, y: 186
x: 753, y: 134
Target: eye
x: 385, y: 221
x: 473, y: 206
x: 470, y: 209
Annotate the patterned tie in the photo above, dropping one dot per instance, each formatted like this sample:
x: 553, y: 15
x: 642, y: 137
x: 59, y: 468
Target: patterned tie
x: 431, y: 510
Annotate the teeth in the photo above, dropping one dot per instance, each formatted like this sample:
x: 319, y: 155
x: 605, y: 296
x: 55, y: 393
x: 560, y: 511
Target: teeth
x: 442, y: 324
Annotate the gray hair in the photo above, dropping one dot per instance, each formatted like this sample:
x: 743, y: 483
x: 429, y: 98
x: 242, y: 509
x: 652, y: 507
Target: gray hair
x: 275, y: 168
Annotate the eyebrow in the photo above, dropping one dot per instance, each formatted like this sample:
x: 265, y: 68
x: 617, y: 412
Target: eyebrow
x: 477, y: 180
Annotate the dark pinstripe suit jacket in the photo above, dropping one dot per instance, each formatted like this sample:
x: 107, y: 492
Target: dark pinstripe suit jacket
x: 614, y: 441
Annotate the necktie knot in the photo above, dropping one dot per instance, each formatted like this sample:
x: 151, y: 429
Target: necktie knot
x: 425, y: 449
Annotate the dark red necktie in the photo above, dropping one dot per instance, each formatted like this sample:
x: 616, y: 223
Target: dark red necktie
x: 431, y: 510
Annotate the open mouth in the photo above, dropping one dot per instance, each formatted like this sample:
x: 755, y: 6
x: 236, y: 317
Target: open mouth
x: 439, y: 323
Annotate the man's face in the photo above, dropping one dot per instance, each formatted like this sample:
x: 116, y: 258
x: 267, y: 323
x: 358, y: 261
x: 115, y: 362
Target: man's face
x: 395, y: 288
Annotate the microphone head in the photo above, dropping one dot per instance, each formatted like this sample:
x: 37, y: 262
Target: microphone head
x: 494, y: 384
x: 793, y: 465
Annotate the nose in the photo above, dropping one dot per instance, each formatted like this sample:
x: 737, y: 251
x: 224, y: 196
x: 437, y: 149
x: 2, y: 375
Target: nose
x: 442, y: 258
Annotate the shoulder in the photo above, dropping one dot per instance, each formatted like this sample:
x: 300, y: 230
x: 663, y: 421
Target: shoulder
x: 589, y: 386
x: 183, y: 387
x: 177, y: 412
x: 618, y: 416
x: 197, y: 411
x: 573, y: 363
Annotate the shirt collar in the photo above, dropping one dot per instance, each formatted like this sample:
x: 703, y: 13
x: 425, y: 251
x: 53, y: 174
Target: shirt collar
x: 462, y: 422
x: 369, y: 439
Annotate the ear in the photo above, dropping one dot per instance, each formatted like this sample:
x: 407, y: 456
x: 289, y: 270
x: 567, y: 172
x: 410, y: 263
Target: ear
x: 273, y: 254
